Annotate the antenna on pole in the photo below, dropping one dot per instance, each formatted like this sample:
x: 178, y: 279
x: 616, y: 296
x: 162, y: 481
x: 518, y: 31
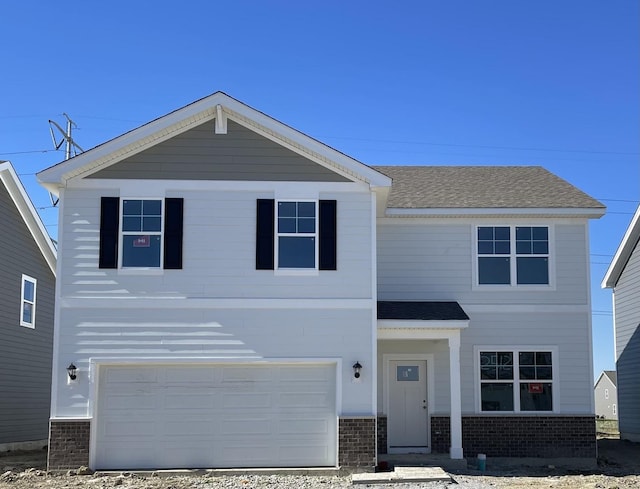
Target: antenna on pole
x: 67, y: 138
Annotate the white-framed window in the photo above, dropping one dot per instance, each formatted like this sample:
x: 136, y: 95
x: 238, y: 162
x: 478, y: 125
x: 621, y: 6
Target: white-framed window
x: 141, y: 233
x: 614, y: 409
x: 28, y: 302
x: 516, y: 380
x: 606, y: 393
x: 513, y: 255
x: 296, y: 234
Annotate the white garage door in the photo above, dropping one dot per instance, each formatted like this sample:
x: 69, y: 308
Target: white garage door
x: 176, y: 416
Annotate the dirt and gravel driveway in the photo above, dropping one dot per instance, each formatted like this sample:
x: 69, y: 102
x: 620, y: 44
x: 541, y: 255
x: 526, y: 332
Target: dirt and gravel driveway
x: 618, y: 468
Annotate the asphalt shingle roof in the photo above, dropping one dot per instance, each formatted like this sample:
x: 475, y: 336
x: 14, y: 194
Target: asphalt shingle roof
x: 423, y: 187
x: 422, y: 310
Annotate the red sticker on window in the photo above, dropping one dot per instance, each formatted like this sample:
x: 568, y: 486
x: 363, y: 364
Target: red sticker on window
x: 142, y: 242
x: 535, y: 388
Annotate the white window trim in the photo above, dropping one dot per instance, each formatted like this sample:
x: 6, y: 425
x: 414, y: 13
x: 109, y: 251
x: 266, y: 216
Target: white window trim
x: 32, y: 324
x: 277, y: 235
x: 514, y: 286
x: 555, y: 381
x: 606, y: 393
x: 614, y: 409
x: 121, y: 233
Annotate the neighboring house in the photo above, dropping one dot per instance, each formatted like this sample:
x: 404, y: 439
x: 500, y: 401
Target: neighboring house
x: 606, y: 395
x: 235, y: 293
x: 623, y: 276
x: 27, y: 283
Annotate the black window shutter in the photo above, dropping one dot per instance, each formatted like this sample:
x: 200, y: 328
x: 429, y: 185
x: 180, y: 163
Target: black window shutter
x: 109, y: 219
x: 328, y: 250
x: 264, y: 234
x: 173, y: 214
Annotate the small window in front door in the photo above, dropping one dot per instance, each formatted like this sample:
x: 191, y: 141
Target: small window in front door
x: 406, y: 373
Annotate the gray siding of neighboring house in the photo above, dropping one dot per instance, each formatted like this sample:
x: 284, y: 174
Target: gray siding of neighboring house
x: 606, y: 397
x: 200, y: 154
x: 627, y: 327
x: 25, y: 353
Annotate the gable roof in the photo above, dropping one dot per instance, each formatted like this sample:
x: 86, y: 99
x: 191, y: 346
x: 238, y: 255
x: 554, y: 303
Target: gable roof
x: 623, y: 253
x: 27, y: 211
x: 512, y: 189
x: 219, y: 107
x: 612, y: 375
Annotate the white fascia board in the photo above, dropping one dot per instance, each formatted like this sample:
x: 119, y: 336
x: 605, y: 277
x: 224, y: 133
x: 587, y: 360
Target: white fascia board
x: 422, y: 324
x: 197, y: 113
x: 623, y: 253
x: 29, y: 214
x: 497, y: 212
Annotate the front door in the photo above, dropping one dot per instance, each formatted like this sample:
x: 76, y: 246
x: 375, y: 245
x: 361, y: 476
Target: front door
x: 408, y: 416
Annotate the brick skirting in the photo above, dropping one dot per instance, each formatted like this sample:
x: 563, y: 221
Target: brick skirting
x: 520, y: 436
x: 357, y: 442
x: 68, y: 445
x: 382, y: 434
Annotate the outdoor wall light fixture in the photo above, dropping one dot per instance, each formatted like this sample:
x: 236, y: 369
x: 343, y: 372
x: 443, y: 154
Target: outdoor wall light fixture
x: 71, y: 370
x: 356, y: 369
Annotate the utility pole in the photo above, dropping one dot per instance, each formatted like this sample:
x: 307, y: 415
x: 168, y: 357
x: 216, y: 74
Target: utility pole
x: 67, y: 138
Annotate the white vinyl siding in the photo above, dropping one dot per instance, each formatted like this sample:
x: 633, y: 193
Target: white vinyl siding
x: 218, y: 249
x: 418, y: 259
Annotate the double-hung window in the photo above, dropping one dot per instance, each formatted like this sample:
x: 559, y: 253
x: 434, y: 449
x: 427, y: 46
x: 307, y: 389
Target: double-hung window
x: 516, y: 380
x: 141, y: 233
x: 28, y: 302
x: 513, y: 255
x: 296, y: 235
x: 297, y: 232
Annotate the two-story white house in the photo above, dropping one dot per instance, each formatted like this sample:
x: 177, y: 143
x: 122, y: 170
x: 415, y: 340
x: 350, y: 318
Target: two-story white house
x: 234, y: 293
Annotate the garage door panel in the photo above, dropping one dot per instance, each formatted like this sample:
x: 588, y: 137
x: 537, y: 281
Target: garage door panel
x: 133, y: 375
x: 247, y: 400
x: 216, y: 416
x: 307, y: 426
x: 131, y: 428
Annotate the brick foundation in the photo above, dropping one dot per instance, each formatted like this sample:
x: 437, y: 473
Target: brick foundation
x: 520, y: 436
x: 68, y: 445
x: 357, y: 442
x: 382, y: 434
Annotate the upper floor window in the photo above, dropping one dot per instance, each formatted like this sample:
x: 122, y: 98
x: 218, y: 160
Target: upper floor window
x: 297, y: 230
x: 28, y: 302
x: 606, y: 393
x: 516, y: 381
x: 141, y: 233
x: 296, y: 235
x: 513, y: 255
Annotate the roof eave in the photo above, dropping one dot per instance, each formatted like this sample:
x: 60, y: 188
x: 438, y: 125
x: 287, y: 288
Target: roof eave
x: 29, y: 214
x: 584, y: 212
x: 623, y: 253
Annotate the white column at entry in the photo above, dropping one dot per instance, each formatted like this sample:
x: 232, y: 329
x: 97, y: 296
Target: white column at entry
x: 455, y: 451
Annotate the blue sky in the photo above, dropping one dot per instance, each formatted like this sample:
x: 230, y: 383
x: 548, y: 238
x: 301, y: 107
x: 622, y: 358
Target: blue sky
x: 500, y: 82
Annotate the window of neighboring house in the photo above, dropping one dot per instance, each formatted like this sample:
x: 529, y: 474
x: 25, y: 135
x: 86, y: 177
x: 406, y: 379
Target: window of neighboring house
x: 516, y: 381
x: 28, y: 302
x: 606, y: 393
x: 141, y: 233
x: 513, y: 255
x: 296, y: 234
x: 614, y: 409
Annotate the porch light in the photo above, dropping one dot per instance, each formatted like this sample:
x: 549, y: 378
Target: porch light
x: 356, y: 369
x: 71, y: 370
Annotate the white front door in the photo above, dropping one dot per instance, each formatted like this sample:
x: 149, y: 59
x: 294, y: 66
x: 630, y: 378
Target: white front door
x: 407, y: 420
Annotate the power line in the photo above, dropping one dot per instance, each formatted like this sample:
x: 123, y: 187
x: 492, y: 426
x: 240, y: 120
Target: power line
x: 32, y: 151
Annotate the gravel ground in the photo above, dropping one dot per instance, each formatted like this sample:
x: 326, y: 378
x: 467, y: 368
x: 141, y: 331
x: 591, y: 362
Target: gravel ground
x: 619, y: 468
